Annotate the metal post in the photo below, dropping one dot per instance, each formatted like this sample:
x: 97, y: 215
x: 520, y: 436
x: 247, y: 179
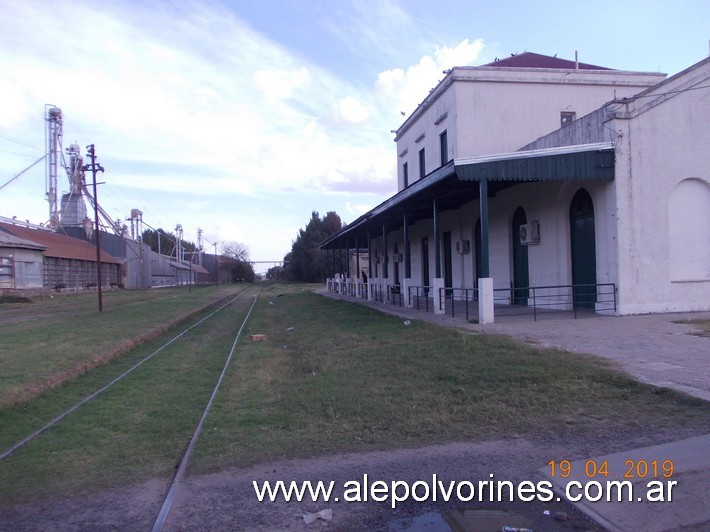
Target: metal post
x: 385, y: 272
x: 357, y: 258
x: 407, y: 260
x: 369, y: 255
x: 347, y: 257
x: 483, y: 192
x: 437, y: 256
x: 93, y: 168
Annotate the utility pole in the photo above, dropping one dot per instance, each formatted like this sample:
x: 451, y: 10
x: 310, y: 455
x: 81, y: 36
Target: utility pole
x: 94, y: 168
x: 216, y: 264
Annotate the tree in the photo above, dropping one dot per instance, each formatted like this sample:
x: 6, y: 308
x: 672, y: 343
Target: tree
x: 276, y: 273
x: 167, y: 242
x: 235, y: 260
x: 306, y: 261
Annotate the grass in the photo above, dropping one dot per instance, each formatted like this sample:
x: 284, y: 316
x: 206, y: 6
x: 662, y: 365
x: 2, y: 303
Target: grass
x: 47, y: 342
x: 7, y: 299
x: 336, y: 376
x: 331, y: 377
x: 138, y: 429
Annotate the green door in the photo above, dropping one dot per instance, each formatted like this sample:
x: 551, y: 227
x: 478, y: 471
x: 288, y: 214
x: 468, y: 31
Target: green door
x: 521, y: 280
x: 583, y: 246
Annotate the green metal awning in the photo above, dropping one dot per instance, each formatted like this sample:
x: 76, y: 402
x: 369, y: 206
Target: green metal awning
x: 585, y: 162
x: 457, y: 183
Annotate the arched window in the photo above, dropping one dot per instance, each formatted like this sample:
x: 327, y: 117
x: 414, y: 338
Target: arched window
x: 689, y: 231
x: 583, y: 248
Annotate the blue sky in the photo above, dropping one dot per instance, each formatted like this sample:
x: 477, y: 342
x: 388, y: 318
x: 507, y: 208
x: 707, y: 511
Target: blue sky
x: 241, y: 117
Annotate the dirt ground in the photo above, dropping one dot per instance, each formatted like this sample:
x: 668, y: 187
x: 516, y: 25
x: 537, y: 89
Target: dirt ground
x: 226, y: 500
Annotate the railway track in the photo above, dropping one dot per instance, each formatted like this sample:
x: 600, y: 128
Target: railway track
x: 233, y: 315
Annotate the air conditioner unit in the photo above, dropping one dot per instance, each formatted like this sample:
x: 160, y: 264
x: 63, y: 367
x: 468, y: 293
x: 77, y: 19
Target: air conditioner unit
x: 463, y: 246
x: 530, y: 233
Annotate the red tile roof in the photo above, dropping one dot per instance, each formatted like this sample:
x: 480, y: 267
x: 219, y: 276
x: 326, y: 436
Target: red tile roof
x: 58, y: 245
x: 531, y: 60
x: 11, y: 241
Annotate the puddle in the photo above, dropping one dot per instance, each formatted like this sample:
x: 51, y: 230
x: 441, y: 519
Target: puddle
x: 430, y: 521
x: 460, y: 521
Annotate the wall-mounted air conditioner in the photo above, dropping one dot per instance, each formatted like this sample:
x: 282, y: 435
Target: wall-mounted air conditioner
x: 530, y: 233
x: 463, y: 246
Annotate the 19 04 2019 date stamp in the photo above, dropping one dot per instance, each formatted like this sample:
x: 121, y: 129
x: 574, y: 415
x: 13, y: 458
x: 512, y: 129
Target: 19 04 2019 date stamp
x: 595, y: 479
x: 594, y: 469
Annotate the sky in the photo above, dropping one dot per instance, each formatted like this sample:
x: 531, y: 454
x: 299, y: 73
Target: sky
x: 243, y: 117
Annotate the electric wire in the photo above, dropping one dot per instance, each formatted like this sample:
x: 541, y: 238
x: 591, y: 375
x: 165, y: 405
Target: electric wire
x: 23, y: 171
x: 167, y: 504
x: 101, y: 390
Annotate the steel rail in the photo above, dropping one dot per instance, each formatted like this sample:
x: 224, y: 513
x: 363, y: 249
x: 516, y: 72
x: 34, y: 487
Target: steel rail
x: 168, y: 502
x: 101, y: 390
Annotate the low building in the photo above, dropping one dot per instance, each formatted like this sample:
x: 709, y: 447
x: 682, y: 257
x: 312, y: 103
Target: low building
x: 21, y: 263
x: 67, y: 263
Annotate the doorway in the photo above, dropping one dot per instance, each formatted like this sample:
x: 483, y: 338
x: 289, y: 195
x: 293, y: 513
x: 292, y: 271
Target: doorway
x: 583, y: 248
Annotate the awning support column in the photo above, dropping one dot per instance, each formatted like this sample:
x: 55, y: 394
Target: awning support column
x: 438, y: 281
x: 347, y: 258
x: 369, y: 266
x: 485, y: 282
x: 385, y: 273
x: 437, y: 255
x: 357, y: 258
x: 407, y: 251
x: 407, y: 261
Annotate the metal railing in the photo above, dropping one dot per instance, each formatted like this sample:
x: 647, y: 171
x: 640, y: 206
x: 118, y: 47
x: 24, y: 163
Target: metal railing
x: 457, y: 297
x: 513, y: 301
x: 418, y: 294
x: 556, y: 298
x: 362, y: 290
x: 394, y: 294
x: 376, y: 292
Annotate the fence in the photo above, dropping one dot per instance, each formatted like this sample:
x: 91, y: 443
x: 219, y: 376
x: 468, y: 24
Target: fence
x: 559, y: 298
x: 513, y: 301
x: 416, y: 295
x: 465, y: 295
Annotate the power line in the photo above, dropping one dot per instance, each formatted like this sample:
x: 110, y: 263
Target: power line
x: 23, y: 171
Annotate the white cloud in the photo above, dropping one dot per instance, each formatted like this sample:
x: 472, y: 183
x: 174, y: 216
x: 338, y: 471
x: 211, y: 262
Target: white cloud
x: 403, y: 90
x: 463, y: 54
x: 349, y: 110
x: 357, y: 209
x: 280, y: 84
x: 185, y: 100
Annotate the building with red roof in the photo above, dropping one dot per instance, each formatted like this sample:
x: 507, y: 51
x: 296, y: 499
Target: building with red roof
x: 68, y: 263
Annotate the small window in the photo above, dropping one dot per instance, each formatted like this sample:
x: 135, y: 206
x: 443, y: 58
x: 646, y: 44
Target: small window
x: 567, y: 117
x: 422, y: 164
x: 405, y: 175
x: 443, y: 143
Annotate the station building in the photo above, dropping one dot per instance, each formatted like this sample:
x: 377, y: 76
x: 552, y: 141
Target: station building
x: 537, y: 182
